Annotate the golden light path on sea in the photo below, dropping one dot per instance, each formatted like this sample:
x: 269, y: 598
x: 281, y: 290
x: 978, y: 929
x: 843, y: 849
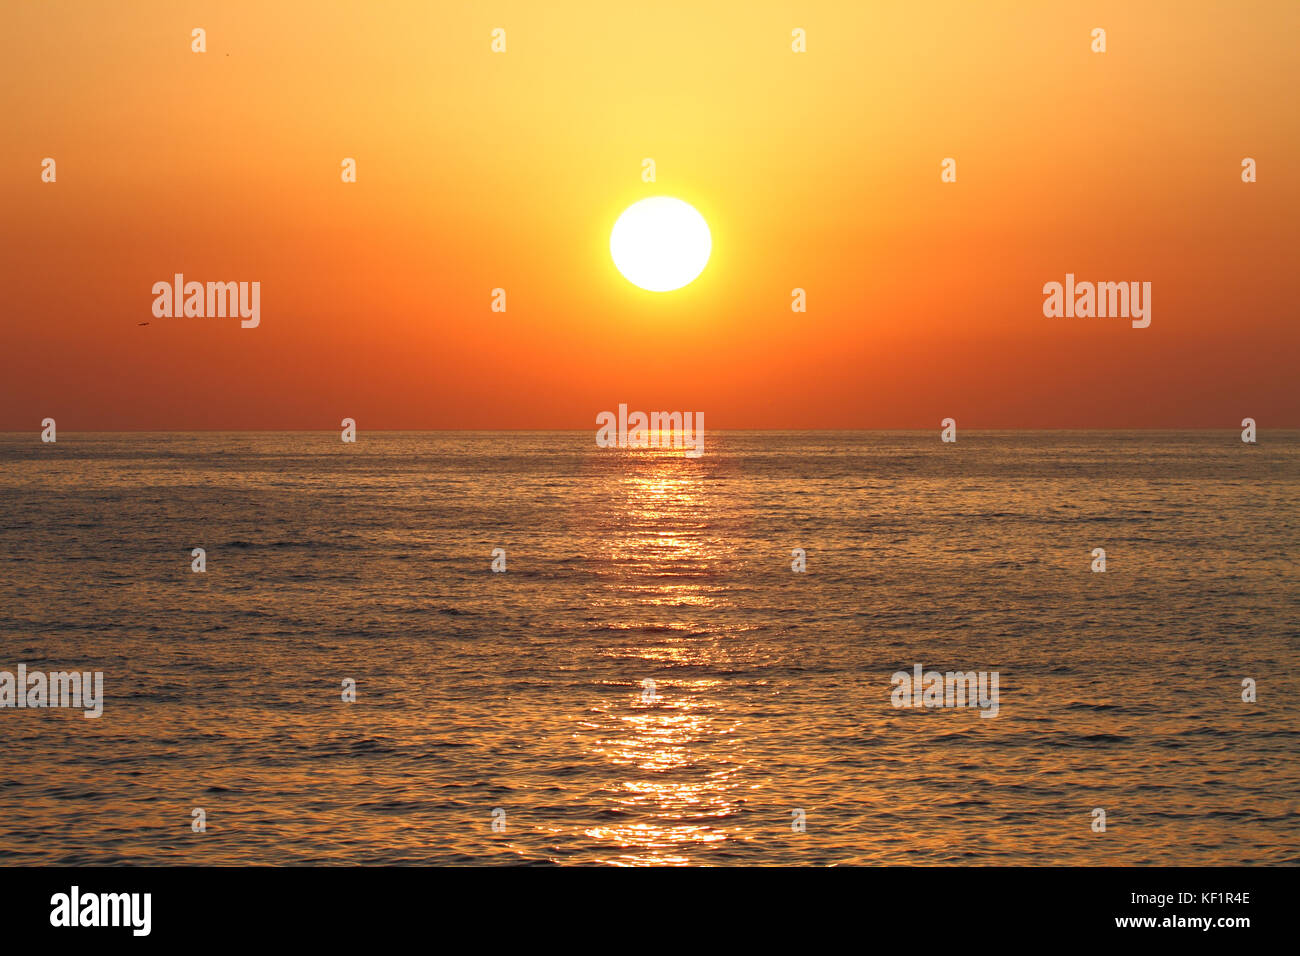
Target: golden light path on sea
x: 673, y: 748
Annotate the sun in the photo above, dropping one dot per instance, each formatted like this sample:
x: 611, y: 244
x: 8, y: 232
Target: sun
x: 660, y: 244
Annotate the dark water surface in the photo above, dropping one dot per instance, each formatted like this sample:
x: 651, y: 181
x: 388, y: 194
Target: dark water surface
x: 524, y: 691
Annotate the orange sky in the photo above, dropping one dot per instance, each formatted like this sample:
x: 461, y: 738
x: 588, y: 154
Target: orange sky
x: 479, y: 170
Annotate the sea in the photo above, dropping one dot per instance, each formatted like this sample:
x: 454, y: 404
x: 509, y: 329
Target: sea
x: 645, y: 678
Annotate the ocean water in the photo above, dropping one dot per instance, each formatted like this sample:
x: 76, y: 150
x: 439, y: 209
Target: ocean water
x: 524, y: 691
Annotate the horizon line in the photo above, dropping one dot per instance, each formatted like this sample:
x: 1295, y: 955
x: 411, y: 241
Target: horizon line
x: 967, y: 428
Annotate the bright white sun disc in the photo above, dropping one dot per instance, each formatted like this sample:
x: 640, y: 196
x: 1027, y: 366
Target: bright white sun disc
x: 660, y: 243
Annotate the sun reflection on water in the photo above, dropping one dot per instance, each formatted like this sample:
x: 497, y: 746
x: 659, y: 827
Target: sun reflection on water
x: 675, y: 759
x: 678, y: 767
x: 660, y: 545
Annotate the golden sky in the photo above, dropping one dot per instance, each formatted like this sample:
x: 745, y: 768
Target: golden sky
x: 478, y: 170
